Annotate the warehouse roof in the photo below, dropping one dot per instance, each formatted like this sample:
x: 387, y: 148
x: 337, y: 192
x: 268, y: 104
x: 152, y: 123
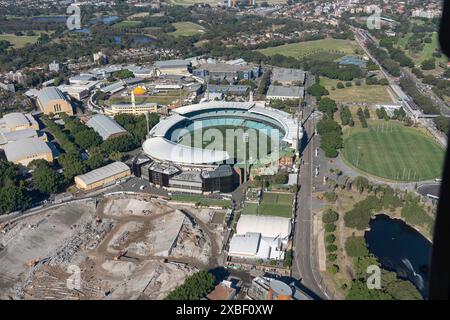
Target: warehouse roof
x: 245, y: 244
x: 268, y: 226
x: 48, y: 94
x: 25, y: 148
x: 285, y: 91
x: 13, y: 120
x: 105, y: 126
x: 172, y: 63
x: 285, y: 74
x: 6, y: 137
x: 102, y: 173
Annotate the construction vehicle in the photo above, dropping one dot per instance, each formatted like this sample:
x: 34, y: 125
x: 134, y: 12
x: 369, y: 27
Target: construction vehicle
x: 33, y: 262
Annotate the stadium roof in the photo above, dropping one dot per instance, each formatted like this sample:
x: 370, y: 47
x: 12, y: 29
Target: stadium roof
x: 285, y: 74
x: 165, y: 150
x: 105, y: 126
x: 48, y: 94
x: 161, y: 129
x: 103, y: 172
x: 268, y: 226
x: 214, y: 105
x: 285, y: 91
x: 25, y: 148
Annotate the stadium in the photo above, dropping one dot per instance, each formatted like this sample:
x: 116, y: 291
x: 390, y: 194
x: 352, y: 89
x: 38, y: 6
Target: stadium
x: 178, y: 160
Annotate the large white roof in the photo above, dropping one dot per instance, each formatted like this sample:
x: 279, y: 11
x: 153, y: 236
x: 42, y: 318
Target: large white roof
x: 214, y: 105
x: 25, y: 148
x: 268, y: 226
x: 162, y: 149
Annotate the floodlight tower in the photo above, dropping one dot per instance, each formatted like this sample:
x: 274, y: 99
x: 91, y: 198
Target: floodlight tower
x: 246, y: 139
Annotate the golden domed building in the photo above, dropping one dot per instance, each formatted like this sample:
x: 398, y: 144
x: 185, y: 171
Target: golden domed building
x: 139, y: 91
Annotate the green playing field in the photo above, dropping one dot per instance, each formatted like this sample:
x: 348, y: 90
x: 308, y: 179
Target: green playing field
x: 394, y: 152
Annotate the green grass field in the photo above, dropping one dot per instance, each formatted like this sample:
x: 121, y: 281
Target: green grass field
x: 308, y: 48
x: 394, y: 152
x: 272, y: 204
x: 20, y: 41
x: 357, y: 94
x: 200, y: 200
x: 187, y: 29
x: 128, y: 24
x: 229, y: 138
x: 427, y: 51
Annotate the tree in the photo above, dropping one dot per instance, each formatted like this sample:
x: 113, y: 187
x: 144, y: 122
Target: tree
x: 330, y: 227
x: 44, y: 178
x: 288, y: 256
x: 428, y: 64
x: 356, y: 247
x: 328, y: 106
x: 13, y: 198
x: 194, y: 287
x: 318, y: 91
x: 116, y: 156
x: 346, y: 116
x: 72, y: 165
x: 330, y: 238
x: 330, y: 216
x: 87, y: 139
x: 124, y: 74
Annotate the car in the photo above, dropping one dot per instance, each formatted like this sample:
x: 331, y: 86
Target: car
x: 142, y: 187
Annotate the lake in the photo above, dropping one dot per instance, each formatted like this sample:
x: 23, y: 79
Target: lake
x: 401, y: 249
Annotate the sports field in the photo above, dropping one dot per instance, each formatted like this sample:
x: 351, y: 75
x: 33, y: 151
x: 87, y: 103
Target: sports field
x: 427, y: 51
x: 187, y: 29
x: 394, y: 152
x: 272, y: 204
x: 357, y: 94
x: 308, y: 48
x: 20, y: 41
x: 230, y: 139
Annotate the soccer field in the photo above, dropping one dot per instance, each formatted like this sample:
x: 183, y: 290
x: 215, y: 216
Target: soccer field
x: 272, y: 204
x: 394, y: 152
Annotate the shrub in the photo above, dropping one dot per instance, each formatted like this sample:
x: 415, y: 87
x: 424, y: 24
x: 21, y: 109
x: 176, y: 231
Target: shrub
x: 332, y: 257
x: 330, y: 238
x: 356, y: 247
x: 330, y: 196
x: 331, y: 248
x: 330, y: 216
x: 333, y: 269
x: 330, y: 227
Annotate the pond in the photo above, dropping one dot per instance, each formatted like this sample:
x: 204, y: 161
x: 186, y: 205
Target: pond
x: 401, y: 249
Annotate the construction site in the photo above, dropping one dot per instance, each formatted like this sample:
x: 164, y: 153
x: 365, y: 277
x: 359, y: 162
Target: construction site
x: 119, y: 246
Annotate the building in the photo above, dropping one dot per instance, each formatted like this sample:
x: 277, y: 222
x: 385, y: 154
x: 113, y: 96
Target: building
x: 102, y: 176
x: 129, y: 108
x: 106, y: 127
x: 287, y: 77
x: 16, y: 121
x: 223, y: 291
x: 270, y: 289
x: 23, y: 151
x: 54, y: 66
x: 238, y: 90
x: 260, y: 237
x: 80, y: 90
x: 82, y: 78
x: 177, y: 67
x: 285, y: 93
x: 51, y: 100
x: 229, y: 72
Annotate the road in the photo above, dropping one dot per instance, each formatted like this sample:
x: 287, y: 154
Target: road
x: 304, y: 266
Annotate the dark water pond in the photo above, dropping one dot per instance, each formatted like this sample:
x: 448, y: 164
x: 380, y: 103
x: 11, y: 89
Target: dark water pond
x: 401, y: 249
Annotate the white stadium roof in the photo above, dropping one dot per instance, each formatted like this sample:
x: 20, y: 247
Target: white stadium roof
x: 162, y: 149
x: 268, y: 226
x: 214, y: 105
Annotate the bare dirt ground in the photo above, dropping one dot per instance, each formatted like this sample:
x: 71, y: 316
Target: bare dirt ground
x: 120, y: 247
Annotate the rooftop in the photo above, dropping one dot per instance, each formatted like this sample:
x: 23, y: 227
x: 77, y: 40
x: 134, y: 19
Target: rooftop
x: 13, y: 120
x: 103, y: 172
x: 285, y: 91
x: 285, y: 74
x: 48, y: 94
x: 105, y: 126
x: 172, y: 63
x: 25, y: 148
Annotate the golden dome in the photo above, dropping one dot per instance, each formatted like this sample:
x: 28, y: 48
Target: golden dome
x: 139, y: 91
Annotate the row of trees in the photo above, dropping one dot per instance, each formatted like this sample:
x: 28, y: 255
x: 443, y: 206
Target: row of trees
x: 194, y: 287
x: 329, y: 218
x: 346, y: 116
x: 331, y: 137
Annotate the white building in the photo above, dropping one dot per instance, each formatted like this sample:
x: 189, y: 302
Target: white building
x: 260, y: 237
